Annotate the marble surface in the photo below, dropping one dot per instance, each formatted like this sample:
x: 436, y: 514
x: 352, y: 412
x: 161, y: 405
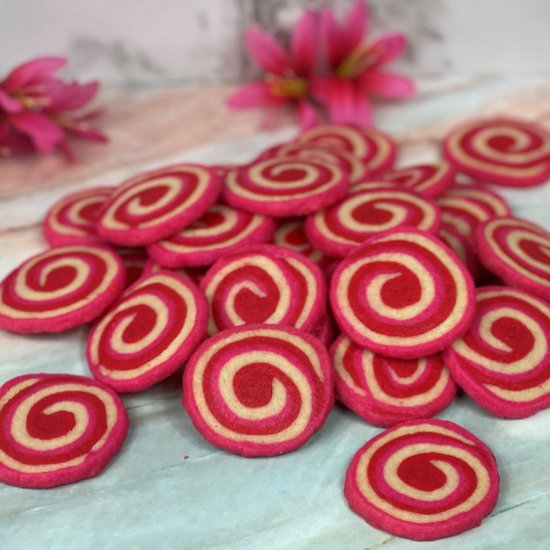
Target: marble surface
x: 168, y: 488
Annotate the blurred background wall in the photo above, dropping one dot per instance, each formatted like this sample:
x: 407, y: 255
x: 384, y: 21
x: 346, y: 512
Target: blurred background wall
x: 175, y: 42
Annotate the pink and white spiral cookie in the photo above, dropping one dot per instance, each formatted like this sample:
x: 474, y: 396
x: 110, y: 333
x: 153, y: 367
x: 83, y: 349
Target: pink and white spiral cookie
x: 423, y: 480
x: 402, y: 294
x: 466, y: 206
x: 464, y: 250
x: 159, y: 203
x: 503, y: 361
x: 283, y: 187
x: 60, y: 289
x: 506, y: 151
x: 291, y: 234
x: 386, y: 391
x: 376, y: 149
x: 353, y: 165
x: 342, y: 227
x: 258, y: 390
x: 72, y: 219
x: 518, y: 252
x: 430, y: 180
x: 264, y: 284
x: 148, y: 333
x: 373, y: 185
x: 222, y: 229
x: 58, y: 429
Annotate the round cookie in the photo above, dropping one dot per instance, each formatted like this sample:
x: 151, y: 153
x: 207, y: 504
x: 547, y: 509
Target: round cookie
x: 376, y: 149
x: 518, y: 252
x: 373, y: 185
x: 402, y: 294
x: 71, y: 220
x: 264, y: 284
x: 386, y: 391
x: 60, y: 289
x: 58, y: 429
x: 148, y: 333
x: 466, y: 206
x: 258, y: 390
x: 503, y: 361
x: 430, y: 180
x: 222, y: 229
x: 353, y: 165
x: 156, y: 204
x: 342, y: 227
x: 423, y: 480
x: 283, y: 187
x: 505, y: 151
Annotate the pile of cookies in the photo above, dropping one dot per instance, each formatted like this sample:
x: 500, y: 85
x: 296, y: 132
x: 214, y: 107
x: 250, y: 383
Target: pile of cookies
x: 316, y: 272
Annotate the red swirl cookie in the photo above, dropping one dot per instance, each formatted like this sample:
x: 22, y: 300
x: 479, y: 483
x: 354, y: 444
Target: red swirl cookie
x: 264, y: 284
x: 376, y: 149
x: 258, y: 390
x: 466, y: 206
x: 159, y: 203
x: 430, y: 180
x: 353, y: 165
x: 220, y: 230
x: 148, y: 333
x: 373, y: 185
x: 503, y: 361
x: 505, y: 151
x: 342, y: 227
x: 291, y: 234
x: 386, y: 391
x: 72, y: 219
x: 423, y: 480
x: 60, y: 289
x: 58, y: 429
x: 286, y: 186
x: 518, y: 252
x: 402, y: 294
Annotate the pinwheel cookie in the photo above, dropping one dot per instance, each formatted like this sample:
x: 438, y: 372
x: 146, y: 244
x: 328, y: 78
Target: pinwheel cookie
x: 423, y: 480
x: 430, y: 180
x: 258, y: 390
x: 57, y: 429
x: 503, y: 361
x: 402, y: 294
x: 386, y: 391
x: 148, y: 333
x: 60, y: 289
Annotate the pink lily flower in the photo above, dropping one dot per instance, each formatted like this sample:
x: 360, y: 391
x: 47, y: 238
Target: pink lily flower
x: 287, y: 73
x: 39, y: 111
x: 357, y: 68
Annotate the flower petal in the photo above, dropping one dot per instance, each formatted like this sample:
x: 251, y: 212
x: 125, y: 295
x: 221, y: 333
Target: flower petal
x: 307, y: 114
x: 256, y: 94
x: 330, y: 34
x: 8, y: 104
x: 71, y: 96
x: 340, y: 101
x: 363, y: 109
x: 32, y: 72
x: 13, y: 142
x: 386, y: 85
x: 266, y: 51
x: 304, y: 44
x: 355, y: 26
x: 388, y: 47
x: 44, y: 133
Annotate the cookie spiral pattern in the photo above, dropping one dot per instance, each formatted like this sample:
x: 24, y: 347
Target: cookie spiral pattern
x: 342, y: 227
x: 157, y: 204
x: 60, y: 289
x: 220, y: 230
x: 518, y: 252
x: 376, y: 149
x: 430, y: 180
x: 148, y: 333
x: 286, y: 186
x: 72, y: 219
x: 504, y: 151
x: 402, y: 294
x: 258, y: 390
x: 57, y: 429
x: 423, y: 480
x: 386, y: 391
